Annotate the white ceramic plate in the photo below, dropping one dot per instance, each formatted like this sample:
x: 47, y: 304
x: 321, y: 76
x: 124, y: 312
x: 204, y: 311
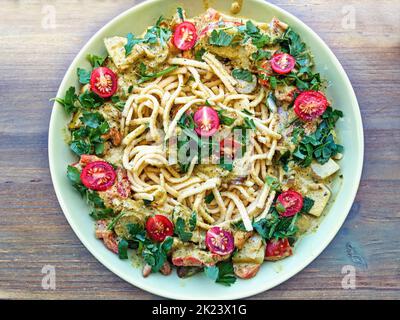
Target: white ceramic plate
x: 271, y: 274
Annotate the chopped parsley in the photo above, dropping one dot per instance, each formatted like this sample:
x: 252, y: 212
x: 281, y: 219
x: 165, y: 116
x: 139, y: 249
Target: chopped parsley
x: 321, y: 144
x: 87, y: 139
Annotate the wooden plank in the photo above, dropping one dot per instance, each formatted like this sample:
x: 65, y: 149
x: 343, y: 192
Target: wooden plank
x: 34, y: 232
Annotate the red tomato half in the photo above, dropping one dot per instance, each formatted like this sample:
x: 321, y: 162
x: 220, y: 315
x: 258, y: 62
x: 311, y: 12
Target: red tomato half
x: 98, y: 175
x: 310, y: 105
x: 265, y: 73
x: 185, y: 36
x: 278, y: 249
x: 292, y: 201
x: 220, y: 241
x: 207, y: 121
x: 229, y: 148
x: 159, y: 227
x: 103, y: 82
x: 283, y: 63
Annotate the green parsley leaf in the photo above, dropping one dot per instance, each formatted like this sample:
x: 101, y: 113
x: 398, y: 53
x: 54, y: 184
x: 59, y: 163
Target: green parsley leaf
x: 69, y: 101
x: 193, y: 221
x: 308, y: 203
x: 123, y: 249
x: 95, y: 61
x: 220, y: 38
x: 198, y: 55
x: 90, y: 100
x: 242, y: 74
x: 180, y: 230
x: 74, y: 175
x: 222, y: 273
x: 209, y: 198
x: 273, y: 183
x: 224, y: 120
x: 131, y: 42
x: 84, y: 76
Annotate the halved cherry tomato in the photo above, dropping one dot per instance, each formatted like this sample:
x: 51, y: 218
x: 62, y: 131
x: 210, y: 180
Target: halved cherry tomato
x: 159, y: 227
x: 98, y: 175
x: 283, y: 63
x: 103, y: 82
x: 265, y: 73
x: 292, y: 201
x: 310, y: 105
x: 220, y: 241
x: 229, y: 148
x: 185, y: 36
x: 278, y: 249
x: 207, y: 121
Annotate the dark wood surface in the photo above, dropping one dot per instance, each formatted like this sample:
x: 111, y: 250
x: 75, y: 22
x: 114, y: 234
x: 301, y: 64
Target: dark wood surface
x: 34, y: 231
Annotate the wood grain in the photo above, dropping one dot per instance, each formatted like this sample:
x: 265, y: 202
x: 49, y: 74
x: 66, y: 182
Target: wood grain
x: 34, y: 231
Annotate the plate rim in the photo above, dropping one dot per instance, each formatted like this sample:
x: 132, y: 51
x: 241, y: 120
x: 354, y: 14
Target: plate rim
x: 258, y: 289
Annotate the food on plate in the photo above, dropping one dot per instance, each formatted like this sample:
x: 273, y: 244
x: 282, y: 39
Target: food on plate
x: 207, y: 144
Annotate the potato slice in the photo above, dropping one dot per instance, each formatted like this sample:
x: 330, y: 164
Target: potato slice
x: 321, y: 197
x: 253, y: 251
x: 323, y: 171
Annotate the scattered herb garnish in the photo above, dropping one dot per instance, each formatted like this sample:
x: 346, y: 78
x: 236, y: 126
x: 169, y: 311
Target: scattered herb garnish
x: 321, y: 144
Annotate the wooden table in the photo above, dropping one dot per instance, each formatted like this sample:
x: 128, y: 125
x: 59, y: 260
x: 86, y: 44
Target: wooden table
x: 33, y: 229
